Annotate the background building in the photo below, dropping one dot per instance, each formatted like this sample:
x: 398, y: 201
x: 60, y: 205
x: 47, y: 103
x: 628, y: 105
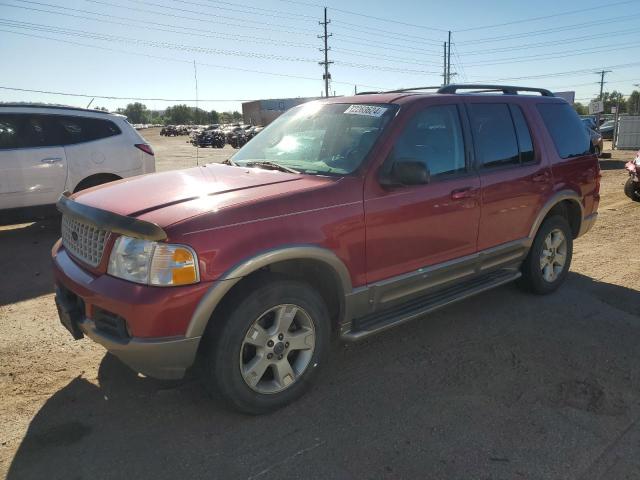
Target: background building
x: 263, y: 112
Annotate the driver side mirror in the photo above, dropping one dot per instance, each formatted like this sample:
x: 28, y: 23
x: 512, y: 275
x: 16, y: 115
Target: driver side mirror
x: 405, y: 171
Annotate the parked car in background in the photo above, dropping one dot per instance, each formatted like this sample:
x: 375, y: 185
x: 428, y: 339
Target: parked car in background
x: 596, y: 141
x: 348, y: 215
x: 606, y: 129
x: 46, y: 150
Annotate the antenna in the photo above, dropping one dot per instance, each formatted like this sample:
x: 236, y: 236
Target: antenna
x: 195, y: 76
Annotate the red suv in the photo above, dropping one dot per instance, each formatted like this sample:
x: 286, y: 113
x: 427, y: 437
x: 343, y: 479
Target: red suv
x: 348, y: 215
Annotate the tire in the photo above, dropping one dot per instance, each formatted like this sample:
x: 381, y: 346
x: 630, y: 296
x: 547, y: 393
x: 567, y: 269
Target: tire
x: 632, y: 190
x: 247, y: 321
x: 94, y: 181
x: 545, y: 268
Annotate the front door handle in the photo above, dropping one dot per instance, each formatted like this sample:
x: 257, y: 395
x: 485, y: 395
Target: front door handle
x: 463, y: 193
x: 51, y: 160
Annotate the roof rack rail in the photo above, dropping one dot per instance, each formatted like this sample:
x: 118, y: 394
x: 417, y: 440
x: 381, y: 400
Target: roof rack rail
x: 506, y: 89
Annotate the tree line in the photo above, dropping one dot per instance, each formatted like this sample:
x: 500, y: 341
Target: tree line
x: 177, y: 115
x: 629, y: 105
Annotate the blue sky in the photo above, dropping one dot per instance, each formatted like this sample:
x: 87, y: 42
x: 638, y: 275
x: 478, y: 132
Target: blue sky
x: 269, y: 49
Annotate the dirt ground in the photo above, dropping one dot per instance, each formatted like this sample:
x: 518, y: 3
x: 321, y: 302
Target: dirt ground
x: 502, y: 386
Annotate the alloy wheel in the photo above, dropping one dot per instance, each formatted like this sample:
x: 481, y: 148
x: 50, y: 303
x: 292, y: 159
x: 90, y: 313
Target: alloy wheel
x: 554, y: 255
x: 277, y: 349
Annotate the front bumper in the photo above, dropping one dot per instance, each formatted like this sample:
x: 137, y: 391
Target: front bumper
x: 153, y: 342
x: 587, y: 223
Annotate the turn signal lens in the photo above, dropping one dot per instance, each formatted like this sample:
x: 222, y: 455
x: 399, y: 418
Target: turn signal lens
x: 173, y: 265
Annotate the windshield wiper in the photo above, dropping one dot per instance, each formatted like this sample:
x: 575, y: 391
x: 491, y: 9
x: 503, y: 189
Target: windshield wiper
x: 271, y: 166
x: 228, y: 161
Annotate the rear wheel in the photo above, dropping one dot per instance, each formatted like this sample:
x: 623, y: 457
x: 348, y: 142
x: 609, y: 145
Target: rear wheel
x: 95, y: 180
x: 267, y: 349
x: 632, y: 190
x: 549, y: 258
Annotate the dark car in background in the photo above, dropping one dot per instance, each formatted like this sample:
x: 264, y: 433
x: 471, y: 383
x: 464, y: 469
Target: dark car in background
x: 606, y: 129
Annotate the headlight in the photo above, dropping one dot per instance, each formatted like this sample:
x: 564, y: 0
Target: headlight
x: 153, y: 263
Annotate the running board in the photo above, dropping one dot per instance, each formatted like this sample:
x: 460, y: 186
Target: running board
x: 377, y: 322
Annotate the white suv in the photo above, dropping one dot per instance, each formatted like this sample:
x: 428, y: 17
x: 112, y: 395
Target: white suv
x: 45, y: 150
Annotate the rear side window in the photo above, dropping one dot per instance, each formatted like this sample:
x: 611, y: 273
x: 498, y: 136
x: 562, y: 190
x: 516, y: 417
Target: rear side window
x: 567, y: 131
x: 82, y: 129
x: 494, y: 134
x: 525, y: 143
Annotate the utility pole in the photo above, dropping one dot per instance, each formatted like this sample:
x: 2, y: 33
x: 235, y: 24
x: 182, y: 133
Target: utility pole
x: 327, y: 76
x: 449, y: 60
x: 444, y: 70
x: 637, y: 100
x: 602, y: 74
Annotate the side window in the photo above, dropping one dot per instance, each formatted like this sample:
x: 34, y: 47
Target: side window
x: 434, y: 137
x: 567, y: 131
x: 494, y: 134
x: 26, y: 131
x: 10, y: 127
x: 525, y: 143
x: 82, y: 129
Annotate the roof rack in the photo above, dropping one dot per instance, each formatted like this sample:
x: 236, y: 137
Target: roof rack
x: 483, y: 88
x: 479, y: 88
x: 54, y: 106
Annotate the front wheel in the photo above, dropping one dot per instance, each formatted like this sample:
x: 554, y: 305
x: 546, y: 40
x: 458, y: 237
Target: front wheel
x: 632, y: 190
x: 549, y: 258
x: 267, y: 349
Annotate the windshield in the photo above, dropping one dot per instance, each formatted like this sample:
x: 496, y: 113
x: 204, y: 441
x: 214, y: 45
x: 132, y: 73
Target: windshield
x: 318, y: 138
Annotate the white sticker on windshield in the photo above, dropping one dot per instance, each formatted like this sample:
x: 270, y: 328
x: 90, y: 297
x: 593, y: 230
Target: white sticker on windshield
x: 369, y: 110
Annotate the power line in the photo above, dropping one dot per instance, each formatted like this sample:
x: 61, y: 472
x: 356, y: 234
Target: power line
x: 193, y: 19
x: 208, y: 33
x: 585, y: 71
x: 532, y: 19
x: 197, y: 49
x: 150, y: 43
x: 216, y: 16
x: 349, y: 12
x: 157, y: 57
x: 111, y: 97
x: 547, y: 56
x: 551, y: 30
x: 393, y: 35
x: 560, y: 41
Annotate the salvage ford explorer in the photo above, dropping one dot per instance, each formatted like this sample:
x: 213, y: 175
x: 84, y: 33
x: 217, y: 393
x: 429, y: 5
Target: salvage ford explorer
x: 344, y: 217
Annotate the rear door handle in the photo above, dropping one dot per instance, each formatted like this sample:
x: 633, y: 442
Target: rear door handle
x: 462, y: 193
x: 540, y: 177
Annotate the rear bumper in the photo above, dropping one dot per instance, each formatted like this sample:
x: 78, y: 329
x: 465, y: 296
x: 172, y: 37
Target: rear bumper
x: 153, y: 342
x: 587, y: 223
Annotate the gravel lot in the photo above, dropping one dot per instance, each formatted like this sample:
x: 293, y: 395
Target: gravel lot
x: 501, y: 386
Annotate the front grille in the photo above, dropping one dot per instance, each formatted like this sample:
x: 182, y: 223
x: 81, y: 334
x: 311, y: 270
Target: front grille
x: 83, y: 240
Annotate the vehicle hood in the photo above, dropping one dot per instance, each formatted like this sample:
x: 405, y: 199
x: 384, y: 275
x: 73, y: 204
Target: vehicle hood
x: 169, y: 197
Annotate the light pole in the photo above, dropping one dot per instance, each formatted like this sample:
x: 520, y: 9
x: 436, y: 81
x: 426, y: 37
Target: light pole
x: 637, y: 99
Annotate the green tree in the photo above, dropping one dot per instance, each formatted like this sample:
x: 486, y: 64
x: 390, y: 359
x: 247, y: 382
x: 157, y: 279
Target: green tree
x: 136, y: 113
x: 237, y: 116
x: 214, y: 117
x: 581, y: 109
x: 633, y: 103
x: 178, y: 115
x: 226, y: 117
x: 613, y: 99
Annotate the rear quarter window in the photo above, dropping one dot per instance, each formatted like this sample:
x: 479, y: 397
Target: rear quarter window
x: 83, y: 129
x: 567, y: 131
